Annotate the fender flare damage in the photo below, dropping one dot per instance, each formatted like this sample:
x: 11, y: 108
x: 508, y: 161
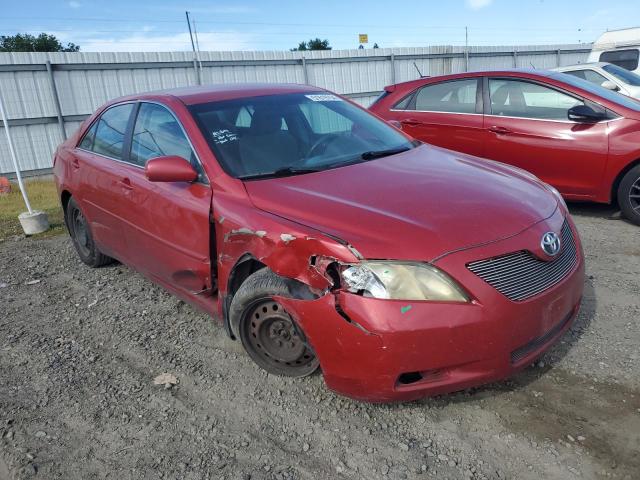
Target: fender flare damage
x: 306, y: 263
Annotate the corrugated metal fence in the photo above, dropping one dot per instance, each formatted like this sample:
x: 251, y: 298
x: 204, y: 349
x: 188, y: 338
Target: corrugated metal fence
x: 47, y: 95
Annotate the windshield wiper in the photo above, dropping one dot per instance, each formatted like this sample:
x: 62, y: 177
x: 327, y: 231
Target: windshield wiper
x: 281, y: 172
x: 382, y: 153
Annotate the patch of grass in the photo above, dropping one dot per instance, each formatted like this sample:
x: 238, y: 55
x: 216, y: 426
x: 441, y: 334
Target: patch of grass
x: 43, y: 196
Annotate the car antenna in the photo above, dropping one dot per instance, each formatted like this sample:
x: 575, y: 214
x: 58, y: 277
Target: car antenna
x: 419, y: 72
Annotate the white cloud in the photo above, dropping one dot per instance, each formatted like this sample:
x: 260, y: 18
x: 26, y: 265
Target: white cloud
x: 74, y: 4
x: 478, y: 4
x: 167, y: 43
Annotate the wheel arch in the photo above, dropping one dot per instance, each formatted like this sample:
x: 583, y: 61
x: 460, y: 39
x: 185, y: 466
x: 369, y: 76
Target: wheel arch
x: 65, y: 196
x: 616, y: 182
x: 243, y: 268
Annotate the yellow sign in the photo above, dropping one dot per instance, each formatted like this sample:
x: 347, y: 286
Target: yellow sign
x: 364, y: 38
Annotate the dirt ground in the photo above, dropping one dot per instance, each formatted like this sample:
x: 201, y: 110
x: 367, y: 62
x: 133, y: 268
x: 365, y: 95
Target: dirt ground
x: 80, y: 348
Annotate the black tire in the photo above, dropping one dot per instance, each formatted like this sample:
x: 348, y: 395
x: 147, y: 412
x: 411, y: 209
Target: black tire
x: 268, y: 333
x: 629, y: 195
x: 82, y: 238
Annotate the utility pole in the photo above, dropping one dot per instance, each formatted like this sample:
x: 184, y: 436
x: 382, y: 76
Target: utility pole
x: 195, y: 34
x: 195, y: 54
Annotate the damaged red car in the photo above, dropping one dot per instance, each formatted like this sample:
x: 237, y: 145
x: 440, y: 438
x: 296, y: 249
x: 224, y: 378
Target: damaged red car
x: 321, y: 236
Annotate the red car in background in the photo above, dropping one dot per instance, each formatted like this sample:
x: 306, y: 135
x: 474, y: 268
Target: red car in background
x: 579, y: 137
x: 322, y: 236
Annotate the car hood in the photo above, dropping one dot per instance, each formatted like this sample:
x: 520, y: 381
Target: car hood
x: 417, y: 205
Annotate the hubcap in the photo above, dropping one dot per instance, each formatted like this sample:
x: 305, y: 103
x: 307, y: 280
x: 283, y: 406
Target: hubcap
x: 634, y: 196
x: 80, y: 232
x: 272, y: 335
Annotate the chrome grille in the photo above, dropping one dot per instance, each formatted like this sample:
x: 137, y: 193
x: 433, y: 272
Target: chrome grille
x: 520, y: 275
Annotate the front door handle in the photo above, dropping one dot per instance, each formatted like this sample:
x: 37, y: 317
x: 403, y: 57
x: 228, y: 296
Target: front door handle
x: 75, y: 163
x: 500, y: 130
x: 411, y: 122
x: 126, y: 183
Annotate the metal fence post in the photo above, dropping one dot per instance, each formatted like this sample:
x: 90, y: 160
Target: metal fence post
x: 197, y: 70
x: 56, y: 100
x: 304, y: 70
x: 558, y: 53
x: 393, y: 69
x: 515, y: 59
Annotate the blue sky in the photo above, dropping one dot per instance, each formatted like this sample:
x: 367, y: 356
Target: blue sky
x: 159, y: 25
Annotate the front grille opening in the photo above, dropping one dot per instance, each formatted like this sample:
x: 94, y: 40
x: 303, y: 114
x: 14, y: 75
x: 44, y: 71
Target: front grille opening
x: 409, y: 378
x: 524, y: 351
x: 520, y: 275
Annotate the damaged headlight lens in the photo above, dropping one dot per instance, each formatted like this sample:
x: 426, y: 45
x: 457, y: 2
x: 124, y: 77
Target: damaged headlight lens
x: 402, y: 281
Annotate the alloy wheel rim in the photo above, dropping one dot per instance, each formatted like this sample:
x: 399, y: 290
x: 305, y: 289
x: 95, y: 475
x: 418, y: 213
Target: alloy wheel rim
x: 273, y: 336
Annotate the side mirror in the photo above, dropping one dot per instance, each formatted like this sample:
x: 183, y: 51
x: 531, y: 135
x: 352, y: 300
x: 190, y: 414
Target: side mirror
x: 585, y: 114
x: 609, y: 85
x: 395, y: 123
x: 169, y: 169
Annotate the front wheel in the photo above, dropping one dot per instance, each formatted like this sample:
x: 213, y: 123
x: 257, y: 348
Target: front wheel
x: 267, y: 332
x: 629, y: 195
x: 82, y: 238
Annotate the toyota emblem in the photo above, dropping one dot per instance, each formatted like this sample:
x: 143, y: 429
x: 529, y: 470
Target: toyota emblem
x: 550, y: 244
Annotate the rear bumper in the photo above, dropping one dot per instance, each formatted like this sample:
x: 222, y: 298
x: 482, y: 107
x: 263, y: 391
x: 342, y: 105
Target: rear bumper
x: 381, y: 350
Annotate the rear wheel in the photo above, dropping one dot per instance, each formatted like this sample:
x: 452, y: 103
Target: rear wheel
x: 267, y: 332
x: 629, y: 195
x: 82, y: 238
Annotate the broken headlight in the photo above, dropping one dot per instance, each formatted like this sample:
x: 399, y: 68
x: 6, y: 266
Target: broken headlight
x: 402, y: 281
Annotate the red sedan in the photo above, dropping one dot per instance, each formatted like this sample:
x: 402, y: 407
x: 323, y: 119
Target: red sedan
x: 322, y: 236
x: 579, y: 137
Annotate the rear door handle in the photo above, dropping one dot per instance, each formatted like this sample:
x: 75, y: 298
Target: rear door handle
x: 411, y: 122
x: 500, y: 130
x: 126, y: 183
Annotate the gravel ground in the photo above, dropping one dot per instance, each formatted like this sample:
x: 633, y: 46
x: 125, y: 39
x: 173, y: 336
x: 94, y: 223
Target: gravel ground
x: 80, y: 348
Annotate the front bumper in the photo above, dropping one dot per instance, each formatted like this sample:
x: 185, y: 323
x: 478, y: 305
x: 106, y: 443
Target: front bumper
x: 388, y: 350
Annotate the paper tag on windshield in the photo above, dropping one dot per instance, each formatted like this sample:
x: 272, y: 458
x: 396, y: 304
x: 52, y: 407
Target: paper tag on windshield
x: 223, y: 136
x: 323, y: 97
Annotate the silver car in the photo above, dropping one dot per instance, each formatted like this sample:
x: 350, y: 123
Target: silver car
x: 607, y: 75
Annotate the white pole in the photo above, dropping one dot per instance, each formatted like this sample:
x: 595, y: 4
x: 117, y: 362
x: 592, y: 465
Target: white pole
x: 12, y: 152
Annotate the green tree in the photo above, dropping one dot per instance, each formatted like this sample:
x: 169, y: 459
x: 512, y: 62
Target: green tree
x: 313, y: 44
x: 30, y: 43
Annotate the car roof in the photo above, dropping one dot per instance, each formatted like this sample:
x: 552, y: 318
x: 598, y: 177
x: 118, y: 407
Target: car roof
x: 526, y: 72
x: 222, y: 91
x: 581, y: 66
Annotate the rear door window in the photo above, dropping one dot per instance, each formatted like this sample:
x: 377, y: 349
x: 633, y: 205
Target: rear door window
x: 517, y: 98
x: 111, y: 130
x: 87, y: 140
x: 623, y: 58
x: 458, y: 96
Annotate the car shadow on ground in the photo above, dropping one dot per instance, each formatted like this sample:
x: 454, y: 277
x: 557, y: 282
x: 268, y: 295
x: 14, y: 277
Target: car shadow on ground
x: 595, y: 210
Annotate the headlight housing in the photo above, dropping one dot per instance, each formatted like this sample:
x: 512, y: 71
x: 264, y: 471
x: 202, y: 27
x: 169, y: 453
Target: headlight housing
x: 402, y: 281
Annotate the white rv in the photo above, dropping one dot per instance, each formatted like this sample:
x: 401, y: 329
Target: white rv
x: 620, y: 47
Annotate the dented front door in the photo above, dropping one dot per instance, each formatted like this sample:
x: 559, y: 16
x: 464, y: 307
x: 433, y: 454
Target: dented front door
x: 168, y: 234
x: 168, y: 237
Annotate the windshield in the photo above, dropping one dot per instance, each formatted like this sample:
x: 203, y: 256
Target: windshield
x: 620, y: 73
x: 289, y: 134
x: 605, y: 93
